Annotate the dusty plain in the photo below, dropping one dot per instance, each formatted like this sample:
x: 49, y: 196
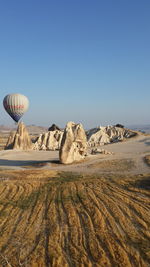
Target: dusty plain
x: 94, y: 213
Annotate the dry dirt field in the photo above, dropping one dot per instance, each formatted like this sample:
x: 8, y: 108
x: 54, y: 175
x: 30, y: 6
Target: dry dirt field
x: 66, y: 219
x: 147, y: 160
x: 92, y: 214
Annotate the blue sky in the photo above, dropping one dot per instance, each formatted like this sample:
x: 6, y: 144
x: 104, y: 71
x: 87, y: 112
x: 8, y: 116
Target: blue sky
x: 79, y: 60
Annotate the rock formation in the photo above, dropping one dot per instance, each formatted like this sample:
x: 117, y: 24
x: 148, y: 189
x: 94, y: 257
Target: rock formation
x: 119, y: 125
x: 19, y: 139
x: 95, y: 151
x: 50, y: 140
x: 74, y: 144
x: 54, y: 127
x: 109, y: 134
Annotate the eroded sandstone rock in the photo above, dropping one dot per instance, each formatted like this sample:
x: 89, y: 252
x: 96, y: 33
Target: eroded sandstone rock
x: 19, y: 139
x: 96, y: 151
x: 50, y: 140
x: 54, y: 127
x: 105, y: 135
x: 74, y: 144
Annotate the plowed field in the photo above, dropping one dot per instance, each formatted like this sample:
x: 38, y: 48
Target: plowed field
x: 66, y: 219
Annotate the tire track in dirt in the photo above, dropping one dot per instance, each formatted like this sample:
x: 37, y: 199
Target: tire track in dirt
x: 63, y: 229
x: 119, y: 246
x: 133, y: 207
x: 88, y: 221
x: 47, y: 202
x: 9, y: 203
x: 115, y: 235
x: 78, y: 240
x: 97, y: 249
x: 83, y: 239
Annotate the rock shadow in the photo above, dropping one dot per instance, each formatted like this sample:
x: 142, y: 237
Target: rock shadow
x: 144, y: 184
x: 146, y: 141
x: 26, y: 163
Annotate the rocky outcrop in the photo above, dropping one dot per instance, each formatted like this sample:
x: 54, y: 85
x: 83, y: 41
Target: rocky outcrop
x: 54, y: 127
x: 19, y: 139
x: 109, y: 134
x: 119, y: 125
x: 74, y: 144
x: 50, y: 140
x: 96, y: 151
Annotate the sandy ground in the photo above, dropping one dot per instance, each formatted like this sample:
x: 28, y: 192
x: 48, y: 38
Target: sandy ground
x: 129, y: 154
x: 55, y: 218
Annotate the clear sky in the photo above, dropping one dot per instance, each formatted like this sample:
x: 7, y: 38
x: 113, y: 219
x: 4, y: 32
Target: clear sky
x: 86, y: 61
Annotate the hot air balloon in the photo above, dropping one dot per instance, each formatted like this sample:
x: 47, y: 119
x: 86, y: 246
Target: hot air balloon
x: 16, y: 105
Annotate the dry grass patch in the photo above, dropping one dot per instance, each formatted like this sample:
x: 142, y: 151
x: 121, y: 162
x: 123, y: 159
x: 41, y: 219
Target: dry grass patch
x: 70, y: 219
x: 146, y: 134
x: 114, y: 165
x: 36, y: 165
x: 27, y: 174
x: 147, y: 160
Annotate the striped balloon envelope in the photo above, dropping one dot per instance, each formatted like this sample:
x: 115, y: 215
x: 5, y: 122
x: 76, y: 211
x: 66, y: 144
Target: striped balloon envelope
x: 16, y: 105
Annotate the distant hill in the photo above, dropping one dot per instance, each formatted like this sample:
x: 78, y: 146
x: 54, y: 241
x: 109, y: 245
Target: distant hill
x: 32, y: 129
x: 141, y: 128
x: 4, y: 128
x: 35, y: 130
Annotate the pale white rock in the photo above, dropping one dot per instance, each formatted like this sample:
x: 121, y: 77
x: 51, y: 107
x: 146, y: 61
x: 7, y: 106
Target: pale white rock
x: 19, y: 139
x: 109, y: 134
x: 50, y: 140
x: 97, y: 137
x: 95, y: 151
x: 43, y: 147
x: 36, y: 146
x: 74, y: 144
x: 115, y: 133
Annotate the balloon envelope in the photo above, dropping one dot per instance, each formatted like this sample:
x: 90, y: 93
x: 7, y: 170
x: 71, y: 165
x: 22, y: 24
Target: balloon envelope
x: 16, y: 105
